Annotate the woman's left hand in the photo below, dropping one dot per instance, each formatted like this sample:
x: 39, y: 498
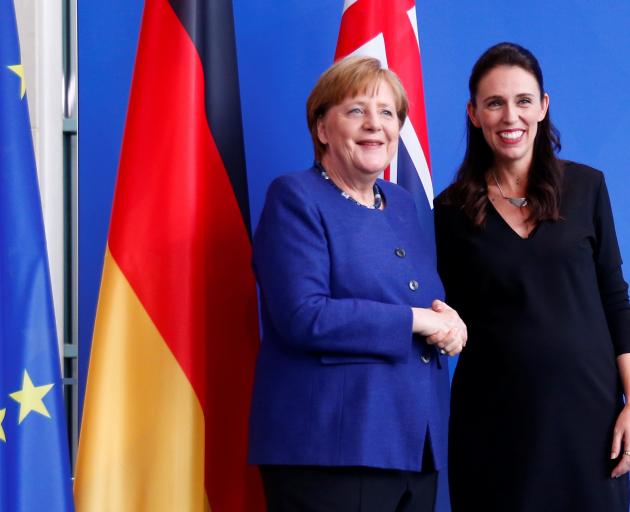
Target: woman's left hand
x: 450, y: 342
x: 621, y: 443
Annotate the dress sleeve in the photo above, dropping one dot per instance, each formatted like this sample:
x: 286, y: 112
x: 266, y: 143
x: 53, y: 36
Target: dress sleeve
x: 612, y: 286
x: 449, y: 268
x: 292, y: 265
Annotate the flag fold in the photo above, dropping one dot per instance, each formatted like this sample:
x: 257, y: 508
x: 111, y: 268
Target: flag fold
x: 34, y: 456
x: 176, y: 332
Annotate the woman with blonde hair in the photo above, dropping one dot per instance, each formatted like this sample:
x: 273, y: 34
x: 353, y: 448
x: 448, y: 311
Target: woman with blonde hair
x: 350, y: 397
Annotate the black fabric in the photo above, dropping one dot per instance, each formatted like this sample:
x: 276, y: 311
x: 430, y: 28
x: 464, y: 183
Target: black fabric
x: 536, y: 391
x: 210, y: 25
x: 347, y: 489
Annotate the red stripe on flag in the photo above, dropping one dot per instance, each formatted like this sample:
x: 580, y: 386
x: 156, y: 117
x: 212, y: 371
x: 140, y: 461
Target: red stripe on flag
x: 178, y: 236
x: 366, y: 19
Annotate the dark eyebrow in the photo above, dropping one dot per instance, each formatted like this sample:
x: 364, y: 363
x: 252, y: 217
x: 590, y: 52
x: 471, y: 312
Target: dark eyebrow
x: 497, y: 97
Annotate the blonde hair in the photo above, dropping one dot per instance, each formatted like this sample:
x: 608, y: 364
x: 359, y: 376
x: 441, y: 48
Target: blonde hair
x: 347, y: 78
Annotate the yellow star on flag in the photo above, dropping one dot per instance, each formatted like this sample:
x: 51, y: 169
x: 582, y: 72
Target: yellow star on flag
x: 2, y: 414
x: 18, y: 69
x: 31, y: 397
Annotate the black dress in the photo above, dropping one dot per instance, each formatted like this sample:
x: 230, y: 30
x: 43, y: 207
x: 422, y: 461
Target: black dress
x: 536, y: 391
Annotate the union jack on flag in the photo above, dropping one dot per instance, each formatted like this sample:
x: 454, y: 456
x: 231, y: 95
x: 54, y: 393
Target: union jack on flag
x: 388, y: 30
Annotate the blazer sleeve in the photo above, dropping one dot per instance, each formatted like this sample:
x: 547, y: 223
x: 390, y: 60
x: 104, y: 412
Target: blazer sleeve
x: 292, y: 265
x: 612, y: 286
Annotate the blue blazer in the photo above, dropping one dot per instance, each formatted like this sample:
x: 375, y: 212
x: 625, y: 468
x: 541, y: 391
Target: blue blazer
x: 340, y: 379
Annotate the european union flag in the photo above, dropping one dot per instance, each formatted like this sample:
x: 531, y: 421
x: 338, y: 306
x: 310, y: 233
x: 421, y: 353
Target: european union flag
x: 34, y: 457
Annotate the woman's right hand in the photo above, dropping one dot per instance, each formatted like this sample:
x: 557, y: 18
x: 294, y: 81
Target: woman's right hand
x: 442, y: 326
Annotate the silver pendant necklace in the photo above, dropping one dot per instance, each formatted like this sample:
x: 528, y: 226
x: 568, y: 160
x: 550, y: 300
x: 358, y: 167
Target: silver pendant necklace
x: 519, y: 202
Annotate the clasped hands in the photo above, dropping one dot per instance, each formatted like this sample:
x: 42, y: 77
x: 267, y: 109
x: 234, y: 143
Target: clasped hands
x: 441, y: 326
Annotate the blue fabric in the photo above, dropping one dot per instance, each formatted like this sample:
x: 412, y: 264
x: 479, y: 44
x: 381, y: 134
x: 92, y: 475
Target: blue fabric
x: 408, y: 179
x: 340, y: 380
x: 34, y: 458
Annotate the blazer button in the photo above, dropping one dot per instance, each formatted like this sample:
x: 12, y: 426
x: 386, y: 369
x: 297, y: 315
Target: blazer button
x: 413, y: 285
x: 425, y: 358
x: 400, y: 252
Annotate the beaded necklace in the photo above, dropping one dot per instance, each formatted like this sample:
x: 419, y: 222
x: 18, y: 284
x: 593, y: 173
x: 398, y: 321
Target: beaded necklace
x: 378, y: 197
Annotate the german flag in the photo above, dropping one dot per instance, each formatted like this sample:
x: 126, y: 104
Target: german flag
x: 176, y: 333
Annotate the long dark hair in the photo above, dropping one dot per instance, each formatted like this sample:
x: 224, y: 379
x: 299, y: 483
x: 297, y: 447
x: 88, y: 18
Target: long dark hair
x: 469, y: 190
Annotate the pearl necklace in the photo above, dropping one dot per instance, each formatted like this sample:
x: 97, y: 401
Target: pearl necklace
x: 519, y: 202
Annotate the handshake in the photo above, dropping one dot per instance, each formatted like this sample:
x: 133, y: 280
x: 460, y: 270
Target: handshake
x: 442, y: 327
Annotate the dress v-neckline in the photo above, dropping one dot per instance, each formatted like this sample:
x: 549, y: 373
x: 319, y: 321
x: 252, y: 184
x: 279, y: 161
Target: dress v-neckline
x: 510, y: 228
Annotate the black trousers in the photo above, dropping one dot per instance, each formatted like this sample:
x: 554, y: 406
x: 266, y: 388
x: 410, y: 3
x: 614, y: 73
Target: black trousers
x: 347, y: 489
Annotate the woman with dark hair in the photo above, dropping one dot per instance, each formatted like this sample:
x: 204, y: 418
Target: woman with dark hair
x: 528, y: 255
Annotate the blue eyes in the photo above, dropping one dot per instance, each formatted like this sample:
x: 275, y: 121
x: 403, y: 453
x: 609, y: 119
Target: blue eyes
x: 357, y: 111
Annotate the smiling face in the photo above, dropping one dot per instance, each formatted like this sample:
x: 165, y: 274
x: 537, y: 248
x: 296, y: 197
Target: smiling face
x: 361, y: 133
x: 508, y: 107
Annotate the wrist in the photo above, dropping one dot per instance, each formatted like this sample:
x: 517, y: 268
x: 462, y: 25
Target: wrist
x: 421, y: 321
